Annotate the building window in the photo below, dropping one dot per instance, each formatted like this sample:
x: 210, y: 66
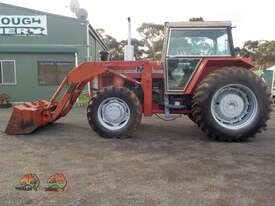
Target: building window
x: 53, y: 72
x: 7, y: 72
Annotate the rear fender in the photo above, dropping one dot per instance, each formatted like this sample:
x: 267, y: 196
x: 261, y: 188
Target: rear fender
x: 209, y: 65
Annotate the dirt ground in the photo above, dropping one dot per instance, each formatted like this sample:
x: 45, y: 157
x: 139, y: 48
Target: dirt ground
x: 165, y: 163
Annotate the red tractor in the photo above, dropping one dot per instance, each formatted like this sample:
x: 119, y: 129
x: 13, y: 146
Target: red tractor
x: 199, y: 76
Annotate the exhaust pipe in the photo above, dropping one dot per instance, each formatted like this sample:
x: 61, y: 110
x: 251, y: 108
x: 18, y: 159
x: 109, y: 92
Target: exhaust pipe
x: 129, y: 49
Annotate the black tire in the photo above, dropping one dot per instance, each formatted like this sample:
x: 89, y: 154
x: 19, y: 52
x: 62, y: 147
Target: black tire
x: 211, y: 84
x: 190, y: 116
x: 129, y: 98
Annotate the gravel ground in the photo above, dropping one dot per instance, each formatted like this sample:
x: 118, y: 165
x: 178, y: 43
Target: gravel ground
x: 165, y: 163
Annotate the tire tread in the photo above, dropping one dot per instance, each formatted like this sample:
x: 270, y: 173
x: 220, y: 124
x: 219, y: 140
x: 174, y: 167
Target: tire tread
x: 202, y: 93
x: 105, y: 93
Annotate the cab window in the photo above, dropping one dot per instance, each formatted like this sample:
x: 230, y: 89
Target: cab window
x: 199, y: 42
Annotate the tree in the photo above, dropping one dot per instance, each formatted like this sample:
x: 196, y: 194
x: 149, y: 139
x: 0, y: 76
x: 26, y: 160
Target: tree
x: 265, y: 54
x: 152, y: 35
x: 115, y: 48
x: 249, y: 50
x: 251, y: 46
x: 138, y: 47
x: 262, y: 53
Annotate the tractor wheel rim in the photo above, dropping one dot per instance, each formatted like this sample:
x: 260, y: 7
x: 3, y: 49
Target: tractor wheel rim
x: 234, y: 106
x: 113, y: 113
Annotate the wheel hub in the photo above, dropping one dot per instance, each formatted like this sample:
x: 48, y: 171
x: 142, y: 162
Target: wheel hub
x: 113, y: 113
x: 234, y: 106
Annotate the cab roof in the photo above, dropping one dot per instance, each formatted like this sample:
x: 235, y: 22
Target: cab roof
x: 198, y: 24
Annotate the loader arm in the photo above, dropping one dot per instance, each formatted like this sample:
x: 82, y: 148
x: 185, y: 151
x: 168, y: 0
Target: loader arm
x: 29, y: 116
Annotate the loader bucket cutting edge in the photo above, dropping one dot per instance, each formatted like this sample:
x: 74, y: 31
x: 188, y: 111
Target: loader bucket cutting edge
x: 26, y: 118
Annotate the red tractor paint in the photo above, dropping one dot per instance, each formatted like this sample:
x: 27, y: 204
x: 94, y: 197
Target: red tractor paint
x: 209, y: 65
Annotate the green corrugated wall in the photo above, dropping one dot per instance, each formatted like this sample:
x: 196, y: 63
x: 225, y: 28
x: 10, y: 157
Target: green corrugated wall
x: 66, y: 36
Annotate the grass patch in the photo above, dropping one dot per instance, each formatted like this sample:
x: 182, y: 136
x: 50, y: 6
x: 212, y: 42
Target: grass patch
x: 83, y: 100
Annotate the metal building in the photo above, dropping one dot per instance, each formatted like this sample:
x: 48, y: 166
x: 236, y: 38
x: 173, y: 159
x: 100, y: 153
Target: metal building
x: 37, y: 49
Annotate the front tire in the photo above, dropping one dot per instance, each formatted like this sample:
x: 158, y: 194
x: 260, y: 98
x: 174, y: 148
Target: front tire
x: 115, y: 112
x: 231, y: 104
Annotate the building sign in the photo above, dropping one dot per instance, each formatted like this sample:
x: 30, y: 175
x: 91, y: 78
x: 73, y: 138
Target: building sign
x: 23, y: 25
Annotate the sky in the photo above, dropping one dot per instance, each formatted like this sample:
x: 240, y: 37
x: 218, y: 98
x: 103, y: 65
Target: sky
x: 253, y: 19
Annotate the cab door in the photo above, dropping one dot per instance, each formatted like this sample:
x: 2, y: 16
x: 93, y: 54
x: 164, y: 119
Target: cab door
x: 179, y: 72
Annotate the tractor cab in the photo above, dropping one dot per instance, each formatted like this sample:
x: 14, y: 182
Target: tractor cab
x: 186, y: 44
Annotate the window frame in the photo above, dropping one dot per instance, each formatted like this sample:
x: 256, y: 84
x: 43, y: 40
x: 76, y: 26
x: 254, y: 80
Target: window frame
x: 179, y: 91
x: 230, y: 43
x: 14, y: 69
x: 55, y: 64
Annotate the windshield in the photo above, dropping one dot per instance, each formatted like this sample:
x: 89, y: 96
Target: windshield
x: 199, y: 42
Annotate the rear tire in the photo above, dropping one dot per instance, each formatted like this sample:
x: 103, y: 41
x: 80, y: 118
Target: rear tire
x: 115, y: 112
x: 231, y: 104
x: 190, y: 116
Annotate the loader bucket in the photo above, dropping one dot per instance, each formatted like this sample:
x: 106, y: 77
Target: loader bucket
x: 28, y: 117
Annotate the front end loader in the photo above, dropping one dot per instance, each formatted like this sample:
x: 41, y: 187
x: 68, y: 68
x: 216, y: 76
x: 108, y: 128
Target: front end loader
x: 199, y: 76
